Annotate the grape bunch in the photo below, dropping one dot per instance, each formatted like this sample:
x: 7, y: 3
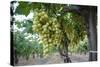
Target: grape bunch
x: 48, y: 30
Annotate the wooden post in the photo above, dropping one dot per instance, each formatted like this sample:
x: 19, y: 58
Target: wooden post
x: 92, y: 34
x: 90, y: 16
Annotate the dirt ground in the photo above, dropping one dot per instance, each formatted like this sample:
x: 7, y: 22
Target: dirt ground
x: 53, y: 59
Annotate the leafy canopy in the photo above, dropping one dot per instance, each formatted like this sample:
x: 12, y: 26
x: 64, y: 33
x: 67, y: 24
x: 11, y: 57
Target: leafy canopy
x: 50, y: 22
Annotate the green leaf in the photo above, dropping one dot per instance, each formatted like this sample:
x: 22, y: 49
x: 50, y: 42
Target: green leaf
x: 23, y: 8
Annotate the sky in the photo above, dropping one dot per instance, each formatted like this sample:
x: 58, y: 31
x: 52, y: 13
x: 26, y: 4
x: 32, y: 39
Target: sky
x: 22, y: 18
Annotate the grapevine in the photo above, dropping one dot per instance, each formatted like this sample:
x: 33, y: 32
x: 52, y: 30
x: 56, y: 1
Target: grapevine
x: 48, y: 30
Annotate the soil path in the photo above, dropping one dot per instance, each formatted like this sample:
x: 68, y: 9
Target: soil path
x: 53, y: 59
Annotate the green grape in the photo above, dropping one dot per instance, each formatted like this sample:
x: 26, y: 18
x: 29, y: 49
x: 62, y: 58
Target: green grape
x: 48, y: 29
x: 40, y: 42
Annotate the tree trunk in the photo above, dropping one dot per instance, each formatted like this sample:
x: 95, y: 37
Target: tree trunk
x: 64, y: 47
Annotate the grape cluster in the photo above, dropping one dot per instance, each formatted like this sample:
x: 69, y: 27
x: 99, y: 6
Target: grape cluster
x: 48, y: 29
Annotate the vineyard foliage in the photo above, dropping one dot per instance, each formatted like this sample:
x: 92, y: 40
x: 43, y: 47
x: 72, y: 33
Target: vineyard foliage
x: 42, y: 34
